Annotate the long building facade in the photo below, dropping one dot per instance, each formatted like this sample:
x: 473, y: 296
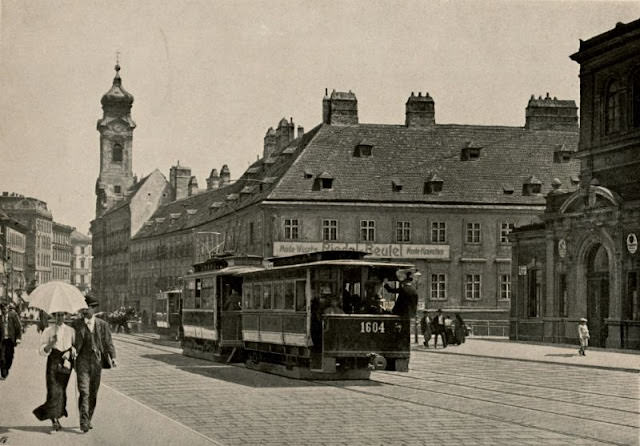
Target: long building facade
x: 442, y: 196
x: 61, y: 252
x: 13, y: 247
x: 583, y: 260
x: 81, y: 261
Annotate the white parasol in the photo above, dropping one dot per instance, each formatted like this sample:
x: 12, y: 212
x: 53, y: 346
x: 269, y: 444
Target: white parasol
x: 56, y: 296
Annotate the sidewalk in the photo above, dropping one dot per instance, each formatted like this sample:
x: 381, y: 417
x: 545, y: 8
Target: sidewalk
x: 118, y: 420
x: 552, y: 353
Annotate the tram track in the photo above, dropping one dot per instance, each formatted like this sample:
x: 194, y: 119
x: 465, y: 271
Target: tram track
x: 510, y: 382
x: 569, y: 429
x: 520, y: 394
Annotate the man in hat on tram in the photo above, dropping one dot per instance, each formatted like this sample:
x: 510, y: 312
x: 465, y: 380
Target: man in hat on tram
x: 407, y: 301
x: 95, y: 350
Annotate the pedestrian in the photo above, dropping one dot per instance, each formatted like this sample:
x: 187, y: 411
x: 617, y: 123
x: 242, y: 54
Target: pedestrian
x: 425, y: 326
x: 95, y: 351
x: 438, y: 329
x: 583, y: 334
x: 10, y: 336
x: 448, y: 330
x: 407, y: 301
x: 460, y: 330
x: 57, y: 344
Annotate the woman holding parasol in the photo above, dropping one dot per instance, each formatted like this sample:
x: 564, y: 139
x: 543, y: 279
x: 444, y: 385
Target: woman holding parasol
x: 57, y: 298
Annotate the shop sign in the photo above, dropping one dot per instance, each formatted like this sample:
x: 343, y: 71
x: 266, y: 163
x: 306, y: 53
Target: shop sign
x: 562, y: 248
x: 381, y: 250
x: 632, y: 243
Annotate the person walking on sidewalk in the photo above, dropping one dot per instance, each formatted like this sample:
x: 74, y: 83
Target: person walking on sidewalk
x: 583, y: 334
x: 438, y: 329
x: 95, y: 351
x: 10, y: 335
x: 57, y: 344
x: 425, y: 326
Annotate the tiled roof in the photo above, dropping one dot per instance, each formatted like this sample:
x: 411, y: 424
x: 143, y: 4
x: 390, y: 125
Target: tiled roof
x: 409, y: 156
x: 509, y: 156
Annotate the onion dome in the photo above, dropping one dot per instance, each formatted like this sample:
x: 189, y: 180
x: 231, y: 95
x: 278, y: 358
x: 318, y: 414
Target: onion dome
x: 117, y: 96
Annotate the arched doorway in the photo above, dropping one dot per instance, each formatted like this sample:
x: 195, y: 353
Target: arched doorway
x: 597, y: 294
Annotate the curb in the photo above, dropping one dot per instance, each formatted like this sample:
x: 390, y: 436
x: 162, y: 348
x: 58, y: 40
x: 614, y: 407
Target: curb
x: 593, y: 366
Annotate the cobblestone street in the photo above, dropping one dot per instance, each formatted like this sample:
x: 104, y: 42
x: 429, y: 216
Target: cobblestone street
x: 446, y: 398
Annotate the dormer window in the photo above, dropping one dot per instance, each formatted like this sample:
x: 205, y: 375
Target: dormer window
x: 433, y: 185
x: 507, y: 189
x: 324, y: 181
x: 308, y: 174
x: 396, y: 185
x: 532, y: 186
x: 363, y: 149
x: 575, y: 179
x: 561, y: 154
x: 470, y: 152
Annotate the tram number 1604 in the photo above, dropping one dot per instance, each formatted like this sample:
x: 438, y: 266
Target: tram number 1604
x: 372, y: 327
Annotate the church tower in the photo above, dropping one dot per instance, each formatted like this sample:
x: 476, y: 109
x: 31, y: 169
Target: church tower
x: 116, y: 137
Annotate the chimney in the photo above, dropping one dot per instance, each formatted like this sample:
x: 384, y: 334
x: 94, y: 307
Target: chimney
x: 420, y: 111
x: 340, y: 108
x: 300, y: 131
x: 179, y: 177
x: 193, y: 186
x: 269, y: 143
x: 284, y: 133
x: 225, y: 176
x: 213, y: 182
x: 326, y: 107
x: 551, y: 114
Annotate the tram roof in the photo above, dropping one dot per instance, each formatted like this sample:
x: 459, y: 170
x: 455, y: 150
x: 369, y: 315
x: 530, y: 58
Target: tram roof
x: 229, y: 270
x: 340, y: 262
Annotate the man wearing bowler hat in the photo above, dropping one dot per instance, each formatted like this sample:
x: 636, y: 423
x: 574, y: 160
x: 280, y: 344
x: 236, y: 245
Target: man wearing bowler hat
x: 94, y: 348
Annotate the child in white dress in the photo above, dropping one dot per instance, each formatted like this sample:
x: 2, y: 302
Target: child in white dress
x: 583, y: 334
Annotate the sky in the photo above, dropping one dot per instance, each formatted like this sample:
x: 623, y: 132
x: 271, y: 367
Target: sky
x: 210, y: 77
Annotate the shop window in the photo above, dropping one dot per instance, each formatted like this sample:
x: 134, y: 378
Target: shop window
x: 301, y: 297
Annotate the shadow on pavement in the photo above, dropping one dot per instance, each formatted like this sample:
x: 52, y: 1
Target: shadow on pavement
x: 45, y: 429
x: 562, y: 355
x: 228, y: 373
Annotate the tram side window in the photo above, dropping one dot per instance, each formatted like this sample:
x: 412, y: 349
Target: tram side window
x: 248, y: 296
x: 257, y: 293
x: 266, y: 296
x: 198, y: 294
x: 301, y: 298
x: 289, y: 295
x: 278, y: 295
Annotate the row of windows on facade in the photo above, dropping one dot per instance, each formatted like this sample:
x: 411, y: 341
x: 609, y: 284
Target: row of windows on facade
x: 61, y: 238
x: 43, y: 226
x: 42, y: 277
x: 617, y: 107
x: 81, y: 264
x: 43, y: 259
x: 61, y: 255
x: 15, y: 240
x: 438, y: 231
x: 147, y: 286
x: 80, y: 279
x: 16, y: 260
x: 43, y: 242
x: 60, y: 273
x: 82, y: 250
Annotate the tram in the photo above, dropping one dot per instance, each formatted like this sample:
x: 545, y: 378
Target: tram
x: 211, y: 313
x: 168, y: 313
x: 319, y: 316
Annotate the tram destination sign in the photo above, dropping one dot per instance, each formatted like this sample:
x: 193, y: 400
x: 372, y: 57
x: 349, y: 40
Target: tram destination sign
x: 380, y: 250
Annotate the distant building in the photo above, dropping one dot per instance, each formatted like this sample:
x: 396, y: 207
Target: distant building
x: 81, y: 261
x: 442, y: 196
x: 35, y: 215
x: 13, y: 246
x: 123, y: 204
x: 61, y: 252
x: 583, y: 260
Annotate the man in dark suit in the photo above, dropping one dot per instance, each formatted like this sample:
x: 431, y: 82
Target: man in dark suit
x: 93, y: 346
x: 438, y: 329
x: 407, y: 301
x: 10, y: 335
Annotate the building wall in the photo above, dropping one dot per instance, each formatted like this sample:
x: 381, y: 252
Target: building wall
x: 81, y: 264
x: 61, y: 253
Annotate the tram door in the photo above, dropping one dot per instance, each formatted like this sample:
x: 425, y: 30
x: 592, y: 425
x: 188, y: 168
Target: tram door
x: 598, y: 296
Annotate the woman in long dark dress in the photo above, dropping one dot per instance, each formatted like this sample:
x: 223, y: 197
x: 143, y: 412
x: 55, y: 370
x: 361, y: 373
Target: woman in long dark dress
x: 57, y: 344
x: 460, y: 329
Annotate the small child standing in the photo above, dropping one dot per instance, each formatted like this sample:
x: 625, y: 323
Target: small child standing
x: 583, y: 334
